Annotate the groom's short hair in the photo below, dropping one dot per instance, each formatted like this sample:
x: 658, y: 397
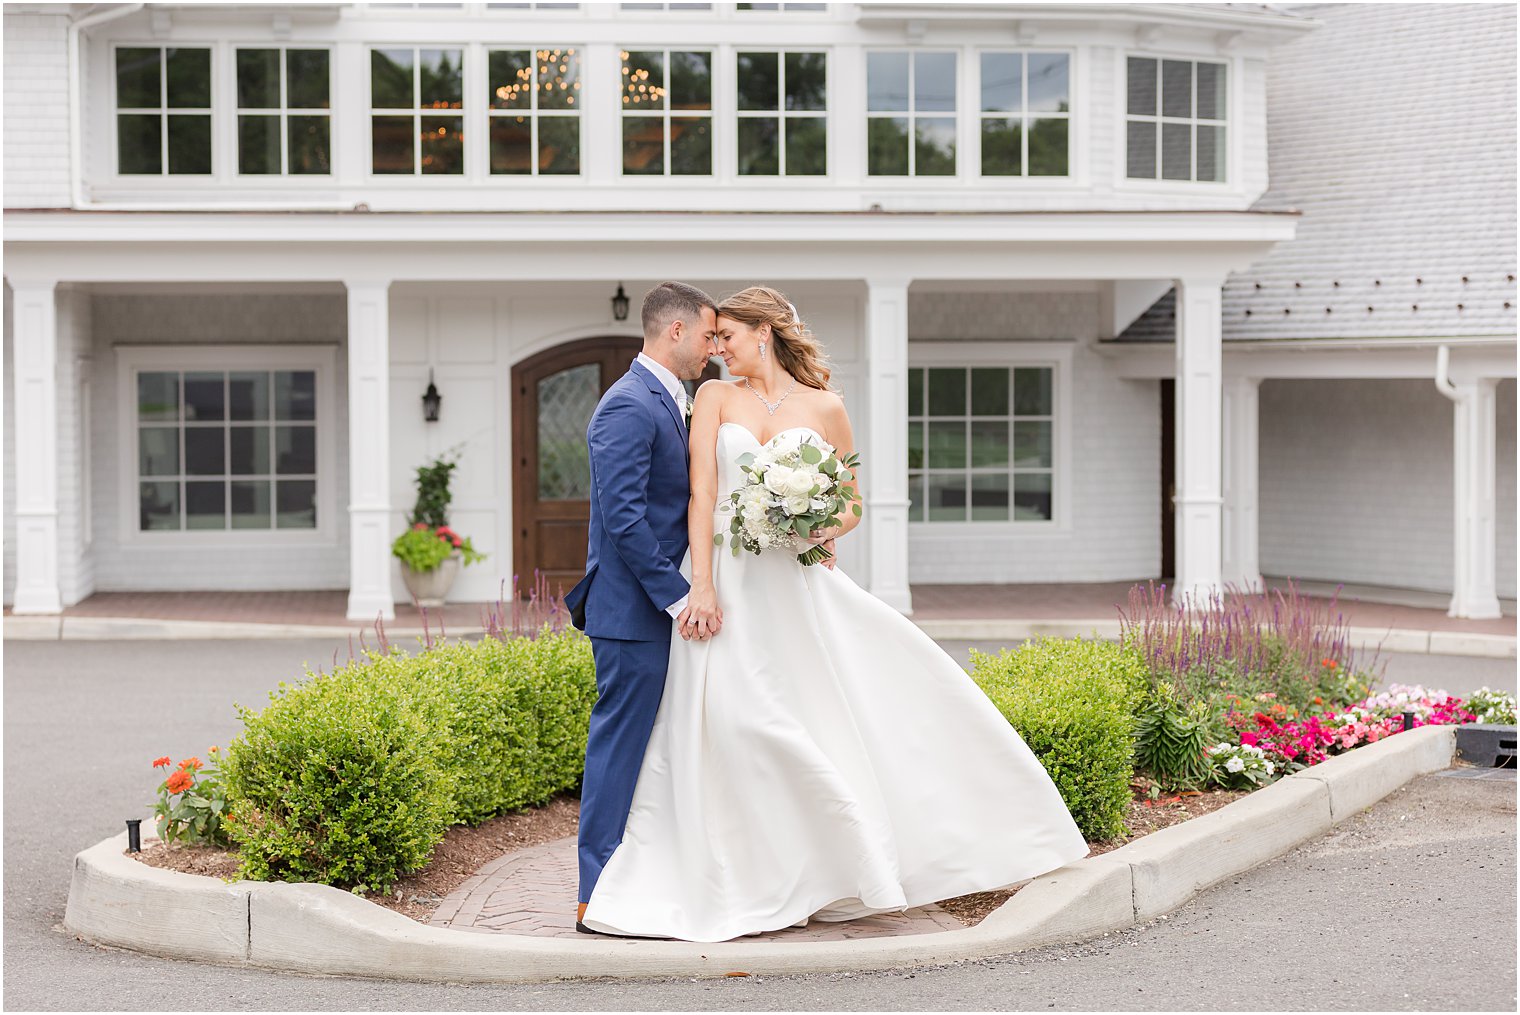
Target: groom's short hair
x: 671, y: 300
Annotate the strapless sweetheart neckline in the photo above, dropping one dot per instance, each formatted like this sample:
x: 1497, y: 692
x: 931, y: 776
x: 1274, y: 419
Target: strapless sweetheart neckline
x: 778, y: 433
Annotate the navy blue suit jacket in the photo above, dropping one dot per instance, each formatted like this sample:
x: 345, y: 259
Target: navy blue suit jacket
x: 640, y: 487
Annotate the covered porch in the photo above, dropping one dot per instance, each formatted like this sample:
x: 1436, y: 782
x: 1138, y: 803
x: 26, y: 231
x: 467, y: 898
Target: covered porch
x: 858, y: 275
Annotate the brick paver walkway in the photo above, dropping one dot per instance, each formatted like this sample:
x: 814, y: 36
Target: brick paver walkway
x: 532, y: 891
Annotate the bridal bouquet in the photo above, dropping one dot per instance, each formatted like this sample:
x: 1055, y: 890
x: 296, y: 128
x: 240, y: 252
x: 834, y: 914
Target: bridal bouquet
x: 794, y: 486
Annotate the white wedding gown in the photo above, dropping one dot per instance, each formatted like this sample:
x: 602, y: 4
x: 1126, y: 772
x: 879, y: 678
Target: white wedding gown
x: 819, y: 757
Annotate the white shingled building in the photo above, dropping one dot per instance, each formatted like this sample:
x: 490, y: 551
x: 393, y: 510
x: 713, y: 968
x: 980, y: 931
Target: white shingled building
x: 241, y: 240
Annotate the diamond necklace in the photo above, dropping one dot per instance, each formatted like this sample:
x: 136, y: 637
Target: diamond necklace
x: 770, y: 407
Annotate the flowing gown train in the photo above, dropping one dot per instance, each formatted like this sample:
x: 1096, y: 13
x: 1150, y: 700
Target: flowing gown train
x: 820, y: 757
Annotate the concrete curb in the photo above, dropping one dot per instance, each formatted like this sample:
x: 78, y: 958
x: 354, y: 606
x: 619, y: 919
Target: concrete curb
x: 115, y: 900
x: 61, y: 628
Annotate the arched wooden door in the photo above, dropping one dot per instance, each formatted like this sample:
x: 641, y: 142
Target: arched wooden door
x: 555, y: 393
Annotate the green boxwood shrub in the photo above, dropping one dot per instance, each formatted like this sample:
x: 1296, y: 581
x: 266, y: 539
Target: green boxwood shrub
x: 1073, y: 702
x: 351, y: 778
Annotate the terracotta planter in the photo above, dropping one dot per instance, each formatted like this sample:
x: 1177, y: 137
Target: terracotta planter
x: 430, y: 588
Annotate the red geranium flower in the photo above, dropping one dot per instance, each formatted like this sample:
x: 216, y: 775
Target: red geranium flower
x: 162, y: 762
x: 420, y: 526
x: 179, y: 781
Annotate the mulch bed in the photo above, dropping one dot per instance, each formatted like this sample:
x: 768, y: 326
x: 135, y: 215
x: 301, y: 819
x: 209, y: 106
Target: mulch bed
x: 463, y: 850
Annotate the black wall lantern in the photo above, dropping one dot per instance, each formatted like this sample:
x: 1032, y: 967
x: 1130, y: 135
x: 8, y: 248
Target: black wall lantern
x: 431, y: 400
x: 620, y: 305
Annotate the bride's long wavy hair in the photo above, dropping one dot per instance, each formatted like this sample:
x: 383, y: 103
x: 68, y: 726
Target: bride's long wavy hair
x: 798, y: 352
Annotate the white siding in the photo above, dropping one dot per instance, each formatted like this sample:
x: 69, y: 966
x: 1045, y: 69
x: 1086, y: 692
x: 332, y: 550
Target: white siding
x: 36, y: 78
x: 10, y: 454
x: 1115, y: 463
x: 1356, y: 483
x: 198, y: 319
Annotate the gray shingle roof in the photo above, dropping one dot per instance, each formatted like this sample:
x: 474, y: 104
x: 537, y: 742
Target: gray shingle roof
x: 1392, y: 128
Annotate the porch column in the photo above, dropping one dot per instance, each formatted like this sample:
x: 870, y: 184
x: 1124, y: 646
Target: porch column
x: 1242, y: 562
x: 1473, y: 591
x: 35, y: 376
x: 369, y: 427
x: 1199, y: 424
x: 886, y: 459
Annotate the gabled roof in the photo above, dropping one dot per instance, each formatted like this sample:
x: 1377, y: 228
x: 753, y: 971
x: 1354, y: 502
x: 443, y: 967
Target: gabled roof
x: 1392, y: 129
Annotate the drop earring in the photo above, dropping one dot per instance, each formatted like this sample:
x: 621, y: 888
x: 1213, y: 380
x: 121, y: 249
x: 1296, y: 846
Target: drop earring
x: 762, y: 352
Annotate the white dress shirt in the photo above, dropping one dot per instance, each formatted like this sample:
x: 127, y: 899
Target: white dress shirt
x: 678, y: 395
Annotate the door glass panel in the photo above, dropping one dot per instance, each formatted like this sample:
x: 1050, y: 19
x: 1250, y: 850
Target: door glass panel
x: 565, y: 403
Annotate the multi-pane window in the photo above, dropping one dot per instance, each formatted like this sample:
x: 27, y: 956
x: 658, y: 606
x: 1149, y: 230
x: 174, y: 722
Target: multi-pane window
x: 667, y: 113
x: 284, y: 119
x: 783, y: 7
x: 1175, y: 123
x: 1025, y: 114
x: 910, y: 103
x: 782, y: 127
x: 536, y: 7
x: 979, y: 444
x: 163, y: 109
x: 408, y: 89
x: 666, y: 7
x: 534, y: 111
x: 226, y: 449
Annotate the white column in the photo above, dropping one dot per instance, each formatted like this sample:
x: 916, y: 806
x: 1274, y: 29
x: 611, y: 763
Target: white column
x: 35, y: 375
x: 1242, y: 561
x: 1473, y: 591
x: 1199, y: 423
x: 885, y: 460
x: 369, y: 427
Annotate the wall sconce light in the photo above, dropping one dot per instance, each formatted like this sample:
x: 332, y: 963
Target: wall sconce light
x: 430, y: 400
x: 620, y: 305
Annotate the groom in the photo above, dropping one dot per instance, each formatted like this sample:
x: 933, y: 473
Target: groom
x: 633, y: 586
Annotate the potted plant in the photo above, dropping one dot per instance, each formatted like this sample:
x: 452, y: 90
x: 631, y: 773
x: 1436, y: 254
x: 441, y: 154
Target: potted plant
x: 430, y: 552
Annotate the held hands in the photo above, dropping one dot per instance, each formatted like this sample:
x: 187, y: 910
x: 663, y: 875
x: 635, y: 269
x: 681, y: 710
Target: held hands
x: 702, y: 618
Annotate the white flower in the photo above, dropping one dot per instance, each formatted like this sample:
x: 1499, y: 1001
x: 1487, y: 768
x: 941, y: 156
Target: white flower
x: 1269, y: 767
x: 777, y: 478
x: 764, y: 539
x: 798, y: 505
x: 798, y: 483
x: 1235, y: 765
x: 753, y: 512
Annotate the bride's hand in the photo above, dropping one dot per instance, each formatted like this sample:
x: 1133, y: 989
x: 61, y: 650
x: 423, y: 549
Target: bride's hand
x: 821, y: 536
x: 703, y: 618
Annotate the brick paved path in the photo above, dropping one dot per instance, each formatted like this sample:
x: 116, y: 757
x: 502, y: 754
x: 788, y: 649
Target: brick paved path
x: 532, y: 891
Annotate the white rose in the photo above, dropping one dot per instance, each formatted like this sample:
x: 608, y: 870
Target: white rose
x: 1234, y: 765
x: 799, y: 483
x: 777, y: 478
x: 798, y: 505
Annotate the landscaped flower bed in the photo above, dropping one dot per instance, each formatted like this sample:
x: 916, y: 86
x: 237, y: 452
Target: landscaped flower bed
x: 399, y: 774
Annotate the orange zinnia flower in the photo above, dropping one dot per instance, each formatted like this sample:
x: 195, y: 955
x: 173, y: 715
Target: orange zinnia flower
x: 189, y: 764
x: 162, y: 762
x: 179, y: 781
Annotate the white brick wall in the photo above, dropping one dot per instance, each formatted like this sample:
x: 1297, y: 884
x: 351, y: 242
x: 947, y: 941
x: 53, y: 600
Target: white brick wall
x: 36, y: 75
x: 199, y: 319
x: 1115, y: 463
x: 1356, y: 483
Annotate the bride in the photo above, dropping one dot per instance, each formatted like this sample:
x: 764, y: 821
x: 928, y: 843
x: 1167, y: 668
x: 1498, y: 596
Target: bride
x: 819, y: 757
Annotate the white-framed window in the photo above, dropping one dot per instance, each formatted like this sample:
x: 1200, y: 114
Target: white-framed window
x: 665, y: 7
x: 1025, y: 113
x: 226, y: 444
x: 534, y: 111
x: 411, y: 88
x: 789, y: 8
x: 163, y: 110
x: 782, y: 126
x: 910, y: 112
x: 1175, y: 112
x: 983, y: 439
x: 666, y: 97
x: 284, y: 110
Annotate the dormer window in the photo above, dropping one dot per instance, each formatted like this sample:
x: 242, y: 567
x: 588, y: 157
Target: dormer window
x: 1175, y: 120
